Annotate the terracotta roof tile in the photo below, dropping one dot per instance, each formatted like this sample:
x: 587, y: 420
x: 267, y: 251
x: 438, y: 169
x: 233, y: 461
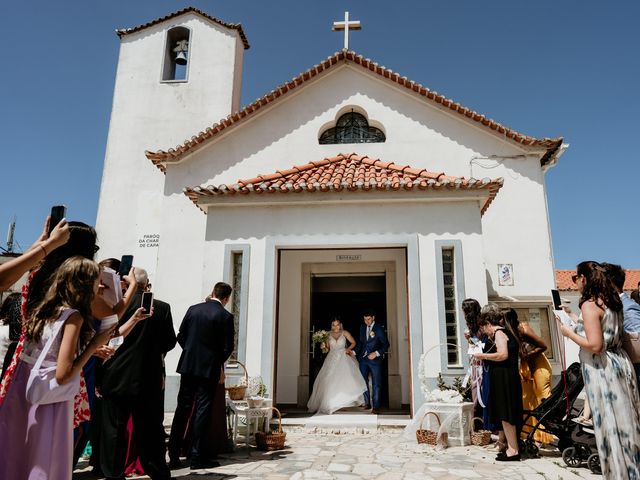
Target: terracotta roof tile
x: 233, y: 26
x: 564, y: 282
x: 347, y: 172
x: 160, y: 157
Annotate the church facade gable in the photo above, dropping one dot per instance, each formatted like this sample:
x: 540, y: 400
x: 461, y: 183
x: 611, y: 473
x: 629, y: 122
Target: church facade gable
x: 438, y: 203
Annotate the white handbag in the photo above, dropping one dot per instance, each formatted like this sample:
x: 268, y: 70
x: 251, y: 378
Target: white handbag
x: 631, y: 344
x: 42, y: 386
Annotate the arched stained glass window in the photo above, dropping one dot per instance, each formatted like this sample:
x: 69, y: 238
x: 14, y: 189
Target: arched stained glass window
x: 352, y: 127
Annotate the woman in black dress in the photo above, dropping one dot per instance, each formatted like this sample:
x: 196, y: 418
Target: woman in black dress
x: 505, y: 401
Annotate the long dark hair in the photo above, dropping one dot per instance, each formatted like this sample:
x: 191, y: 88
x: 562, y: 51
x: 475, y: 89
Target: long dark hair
x: 72, y: 287
x: 598, y: 286
x: 512, y: 323
x: 471, y: 311
x: 82, y: 242
x: 7, y: 306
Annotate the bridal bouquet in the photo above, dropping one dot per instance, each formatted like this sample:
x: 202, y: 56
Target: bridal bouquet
x: 321, y: 337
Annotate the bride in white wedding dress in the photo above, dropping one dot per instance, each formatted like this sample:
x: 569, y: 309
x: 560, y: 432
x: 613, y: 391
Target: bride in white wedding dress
x: 339, y: 383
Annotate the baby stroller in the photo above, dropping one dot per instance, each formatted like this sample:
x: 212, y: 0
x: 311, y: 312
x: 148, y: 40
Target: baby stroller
x: 554, y: 413
x: 584, y: 449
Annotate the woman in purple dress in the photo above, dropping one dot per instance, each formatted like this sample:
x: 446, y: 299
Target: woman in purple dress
x: 36, y: 439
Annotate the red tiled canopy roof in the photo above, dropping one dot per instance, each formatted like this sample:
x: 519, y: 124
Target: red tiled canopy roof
x: 564, y: 282
x: 233, y: 26
x: 551, y: 145
x: 347, y: 173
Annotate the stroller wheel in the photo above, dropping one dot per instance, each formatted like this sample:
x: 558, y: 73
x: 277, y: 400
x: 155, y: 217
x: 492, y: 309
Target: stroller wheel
x: 571, y: 457
x: 593, y: 462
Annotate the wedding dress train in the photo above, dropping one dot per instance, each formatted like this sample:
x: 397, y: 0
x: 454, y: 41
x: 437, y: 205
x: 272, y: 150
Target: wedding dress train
x: 339, y: 383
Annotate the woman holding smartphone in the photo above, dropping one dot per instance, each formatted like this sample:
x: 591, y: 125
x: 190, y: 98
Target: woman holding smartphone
x: 36, y: 439
x: 609, y: 378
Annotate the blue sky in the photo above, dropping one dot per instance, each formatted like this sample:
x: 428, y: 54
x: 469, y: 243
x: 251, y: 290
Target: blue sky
x: 546, y: 68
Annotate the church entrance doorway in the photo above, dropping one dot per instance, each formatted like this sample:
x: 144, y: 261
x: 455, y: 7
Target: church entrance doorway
x: 316, y: 284
x: 346, y: 297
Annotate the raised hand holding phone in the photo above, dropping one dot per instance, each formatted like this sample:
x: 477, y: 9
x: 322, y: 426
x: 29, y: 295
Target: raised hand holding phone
x: 147, y: 302
x: 126, y: 262
x: 58, y: 213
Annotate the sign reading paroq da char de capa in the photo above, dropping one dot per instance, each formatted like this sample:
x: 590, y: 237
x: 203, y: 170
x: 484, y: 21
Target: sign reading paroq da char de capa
x: 150, y: 240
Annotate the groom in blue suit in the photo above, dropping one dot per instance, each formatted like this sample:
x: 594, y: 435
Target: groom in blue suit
x: 372, y: 345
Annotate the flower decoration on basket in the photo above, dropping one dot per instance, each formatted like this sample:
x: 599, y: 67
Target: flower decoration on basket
x: 321, y: 337
x: 256, y: 387
x: 238, y: 391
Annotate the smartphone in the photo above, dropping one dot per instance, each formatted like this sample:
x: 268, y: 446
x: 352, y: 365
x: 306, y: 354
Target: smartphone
x: 115, y: 342
x: 58, y: 212
x: 557, y: 303
x: 147, y: 301
x: 126, y: 262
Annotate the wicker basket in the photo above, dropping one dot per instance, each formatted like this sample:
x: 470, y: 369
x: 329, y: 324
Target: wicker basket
x: 427, y: 436
x: 479, y: 437
x: 237, y: 392
x: 272, y: 440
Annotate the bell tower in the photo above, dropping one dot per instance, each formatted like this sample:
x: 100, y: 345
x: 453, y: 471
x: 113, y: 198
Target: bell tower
x: 176, y: 75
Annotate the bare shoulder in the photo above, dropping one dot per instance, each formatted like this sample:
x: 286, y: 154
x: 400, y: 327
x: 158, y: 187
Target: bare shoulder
x: 500, y: 335
x: 591, y: 307
x: 75, y: 318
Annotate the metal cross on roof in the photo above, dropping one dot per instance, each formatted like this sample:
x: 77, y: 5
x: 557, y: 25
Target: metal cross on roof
x: 346, y: 26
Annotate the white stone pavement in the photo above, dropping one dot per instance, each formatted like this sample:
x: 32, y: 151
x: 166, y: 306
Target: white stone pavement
x: 382, y: 455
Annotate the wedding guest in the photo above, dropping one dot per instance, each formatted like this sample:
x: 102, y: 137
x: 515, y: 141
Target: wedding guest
x: 206, y: 337
x: 479, y: 371
x: 82, y: 242
x: 635, y: 296
x: 535, y: 370
x: 132, y: 387
x: 11, y: 271
x: 630, y: 309
x: 610, y: 381
x: 43, y: 449
x: 471, y: 312
x: 505, y: 401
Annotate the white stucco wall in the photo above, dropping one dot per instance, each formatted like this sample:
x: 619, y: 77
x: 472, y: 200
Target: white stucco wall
x: 148, y: 114
x: 338, y: 225
x: 418, y: 134
x: 136, y: 199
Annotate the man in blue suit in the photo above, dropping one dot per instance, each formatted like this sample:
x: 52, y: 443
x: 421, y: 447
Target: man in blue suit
x: 372, y: 345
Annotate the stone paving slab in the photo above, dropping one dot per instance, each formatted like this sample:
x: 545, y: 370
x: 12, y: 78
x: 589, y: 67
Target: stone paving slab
x: 379, y: 456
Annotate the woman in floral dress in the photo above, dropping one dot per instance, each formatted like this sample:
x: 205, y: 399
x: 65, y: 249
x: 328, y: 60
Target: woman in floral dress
x: 609, y: 376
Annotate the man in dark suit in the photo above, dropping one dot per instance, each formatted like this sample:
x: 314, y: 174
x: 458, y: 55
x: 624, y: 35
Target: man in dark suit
x: 206, y: 338
x: 132, y: 385
x: 372, y: 345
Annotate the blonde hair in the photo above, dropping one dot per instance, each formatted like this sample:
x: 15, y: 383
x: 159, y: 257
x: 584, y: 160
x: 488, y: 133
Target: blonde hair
x: 72, y: 287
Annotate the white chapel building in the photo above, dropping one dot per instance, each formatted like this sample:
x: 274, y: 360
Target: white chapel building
x: 346, y: 187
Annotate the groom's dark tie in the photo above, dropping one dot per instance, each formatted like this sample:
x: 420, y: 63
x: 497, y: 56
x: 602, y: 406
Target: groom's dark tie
x: 366, y: 339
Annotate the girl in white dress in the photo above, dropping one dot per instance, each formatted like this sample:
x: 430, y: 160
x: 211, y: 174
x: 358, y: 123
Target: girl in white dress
x: 339, y: 383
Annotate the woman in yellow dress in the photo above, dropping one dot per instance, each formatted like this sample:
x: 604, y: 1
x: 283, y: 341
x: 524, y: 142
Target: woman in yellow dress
x: 535, y: 372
